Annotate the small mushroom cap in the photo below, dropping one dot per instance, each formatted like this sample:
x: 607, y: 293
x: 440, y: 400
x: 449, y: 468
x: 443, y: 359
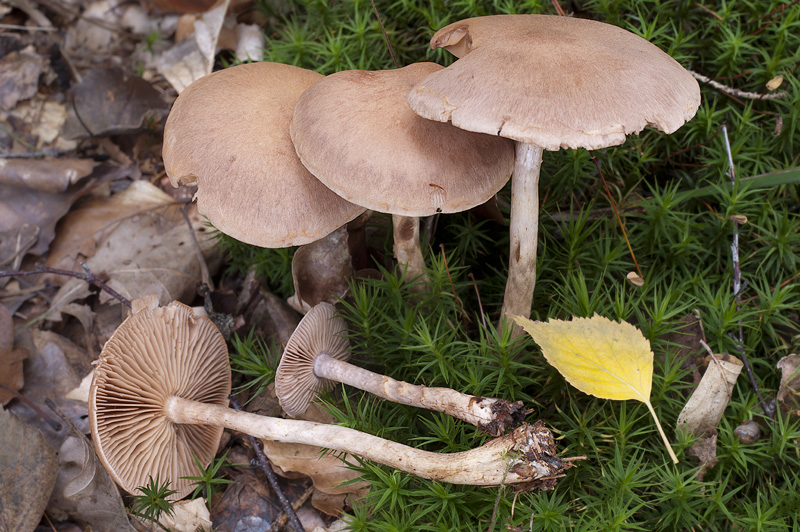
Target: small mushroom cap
x: 320, y: 331
x: 355, y: 132
x: 157, y: 353
x: 554, y: 82
x: 229, y: 133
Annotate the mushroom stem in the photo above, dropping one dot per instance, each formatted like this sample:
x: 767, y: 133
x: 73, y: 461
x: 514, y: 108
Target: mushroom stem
x: 526, y: 455
x: 491, y: 415
x: 407, y: 249
x: 524, y: 231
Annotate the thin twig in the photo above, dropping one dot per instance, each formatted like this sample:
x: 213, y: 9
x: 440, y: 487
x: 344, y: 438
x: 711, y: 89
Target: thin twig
x: 34, y: 155
x: 559, y: 9
x: 87, y: 276
x: 737, y: 278
x: 204, y: 275
x: 461, y: 310
x: 500, y: 491
x: 619, y: 220
x: 385, y: 35
x: 273, y: 481
x: 55, y: 425
x: 31, y: 28
x: 480, y: 305
x: 737, y: 92
x: 280, y: 522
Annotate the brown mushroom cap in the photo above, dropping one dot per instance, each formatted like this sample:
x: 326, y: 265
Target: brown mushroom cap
x: 229, y: 133
x: 554, y: 82
x: 133, y: 437
x: 320, y: 331
x: 355, y: 132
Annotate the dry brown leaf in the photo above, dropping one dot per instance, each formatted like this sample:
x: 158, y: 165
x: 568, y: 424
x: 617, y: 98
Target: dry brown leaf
x: 140, y: 239
x: 22, y: 205
x: 19, y: 76
x: 28, y: 468
x: 707, y: 403
x: 45, y: 175
x: 188, y: 516
x: 705, y: 450
x: 321, y: 271
x: 11, y: 375
x: 54, y: 368
x: 328, y: 503
x: 84, y: 492
x: 789, y: 390
x: 110, y: 102
x: 328, y: 472
x: 193, y: 58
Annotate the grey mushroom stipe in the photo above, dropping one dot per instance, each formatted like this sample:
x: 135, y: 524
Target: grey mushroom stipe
x: 550, y: 82
x: 315, y: 358
x: 159, y: 398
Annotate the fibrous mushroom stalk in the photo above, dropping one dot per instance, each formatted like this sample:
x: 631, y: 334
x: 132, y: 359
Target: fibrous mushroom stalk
x: 526, y: 456
x: 407, y: 249
x: 523, y: 233
x: 491, y: 415
x: 315, y: 357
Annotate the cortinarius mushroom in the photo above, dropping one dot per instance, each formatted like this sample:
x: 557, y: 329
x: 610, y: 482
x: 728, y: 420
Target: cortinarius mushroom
x: 229, y: 133
x: 158, y: 398
x: 550, y: 82
x: 314, y: 358
x: 355, y: 132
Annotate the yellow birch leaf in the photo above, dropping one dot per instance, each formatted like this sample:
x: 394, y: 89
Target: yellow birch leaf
x: 600, y: 357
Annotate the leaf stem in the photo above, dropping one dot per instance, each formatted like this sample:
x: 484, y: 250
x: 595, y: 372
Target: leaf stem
x: 661, y: 431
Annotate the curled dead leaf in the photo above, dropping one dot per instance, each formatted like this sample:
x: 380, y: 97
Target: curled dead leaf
x: 707, y: 403
x: 775, y: 82
x: 789, y: 390
x: 328, y: 471
x: 634, y: 278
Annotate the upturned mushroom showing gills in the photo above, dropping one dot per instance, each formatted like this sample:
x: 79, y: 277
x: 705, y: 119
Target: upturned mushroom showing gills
x: 550, y: 82
x: 355, y: 132
x: 159, y: 398
x: 228, y: 133
x: 315, y: 357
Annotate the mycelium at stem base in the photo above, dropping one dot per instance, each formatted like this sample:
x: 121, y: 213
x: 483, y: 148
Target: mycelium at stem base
x: 523, y: 233
x: 526, y: 456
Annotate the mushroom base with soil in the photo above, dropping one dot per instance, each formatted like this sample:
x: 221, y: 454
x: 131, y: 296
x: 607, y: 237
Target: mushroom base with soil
x: 526, y: 456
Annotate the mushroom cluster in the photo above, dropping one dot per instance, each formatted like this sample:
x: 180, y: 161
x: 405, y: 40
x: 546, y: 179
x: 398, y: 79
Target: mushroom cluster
x: 282, y: 156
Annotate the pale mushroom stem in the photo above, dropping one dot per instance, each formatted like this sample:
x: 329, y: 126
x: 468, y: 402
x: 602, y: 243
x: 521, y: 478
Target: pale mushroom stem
x: 407, y: 249
x: 491, y: 415
x: 524, y: 232
x: 523, y: 456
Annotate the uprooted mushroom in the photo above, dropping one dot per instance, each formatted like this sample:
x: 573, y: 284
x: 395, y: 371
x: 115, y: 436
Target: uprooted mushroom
x: 159, y: 398
x: 315, y: 357
x: 550, y: 82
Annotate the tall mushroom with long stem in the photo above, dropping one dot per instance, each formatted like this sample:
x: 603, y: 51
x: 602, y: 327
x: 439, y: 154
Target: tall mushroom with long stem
x: 315, y: 357
x: 159, y: 396
x: 548, y: 83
